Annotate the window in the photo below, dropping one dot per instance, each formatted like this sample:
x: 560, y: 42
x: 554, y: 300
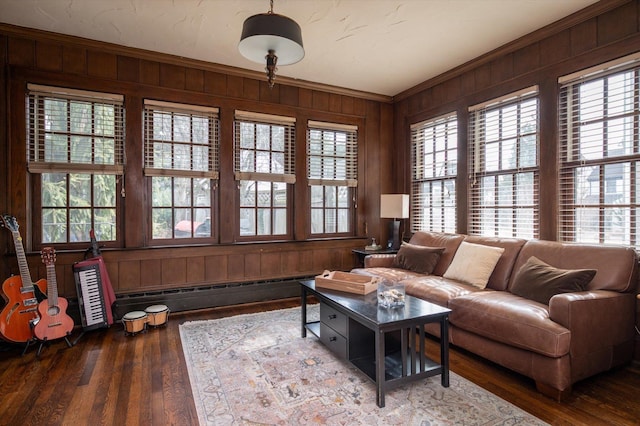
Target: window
x: 76, y: 152
x: 332, y: 170
x: 600, y: 154
x: 181, y: 159
x: 434, y: 159
x: 264, y: 167
x: 503, y: 161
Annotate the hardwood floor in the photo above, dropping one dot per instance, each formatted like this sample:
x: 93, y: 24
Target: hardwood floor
x: 112, y: 379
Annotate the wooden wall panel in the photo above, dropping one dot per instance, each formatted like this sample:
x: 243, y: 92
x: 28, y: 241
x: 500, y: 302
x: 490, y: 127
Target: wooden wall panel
x: 556, y: 48
x: 172, y: 76
x: 270, y: 264
x: 21, y: 52
x: 215, y: 269
x: 174, y: 271
x: 49, y: 56
x: 195, y: 273
x: 235, y: 87
x: 102, y: 64
x: 150, y: 73
x: 74, y: 60
x: 251, y: 90
x: 320, y: 101
x: 526, y: 59
x: 502, y: 69
x: 584, y: 37
x: 129, y: 276
x: 215, y: 83
x: 128, y: 69
x: 152, y: 276
x: 252, y: 266
x: 618, y: 23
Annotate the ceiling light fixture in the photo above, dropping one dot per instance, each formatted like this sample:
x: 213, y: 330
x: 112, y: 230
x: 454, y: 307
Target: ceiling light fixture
x: 271, y: 33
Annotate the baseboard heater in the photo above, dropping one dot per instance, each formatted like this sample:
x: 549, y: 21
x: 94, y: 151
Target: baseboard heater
x: 193, y: 298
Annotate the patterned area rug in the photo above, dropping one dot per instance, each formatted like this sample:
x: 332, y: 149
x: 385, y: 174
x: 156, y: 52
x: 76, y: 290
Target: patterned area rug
x: 256, y: 370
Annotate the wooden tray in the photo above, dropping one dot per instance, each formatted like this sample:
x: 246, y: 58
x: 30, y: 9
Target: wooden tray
x: 346, y: 281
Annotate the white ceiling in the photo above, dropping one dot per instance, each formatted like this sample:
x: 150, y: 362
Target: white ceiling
x: 377, y: 46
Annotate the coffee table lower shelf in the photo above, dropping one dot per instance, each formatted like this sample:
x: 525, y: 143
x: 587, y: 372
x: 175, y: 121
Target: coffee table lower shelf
x: 423, y: 367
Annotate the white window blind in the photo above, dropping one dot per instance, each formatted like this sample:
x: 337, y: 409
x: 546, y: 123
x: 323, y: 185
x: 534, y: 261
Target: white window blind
x: 332, y: 154
x: 74, y: 131
x: 180, y: 140
x: 503, y: 166
x: 599, y: 162
x: 434, y: 160
x: 264, y: 147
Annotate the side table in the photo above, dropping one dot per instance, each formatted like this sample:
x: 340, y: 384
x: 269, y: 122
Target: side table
x: 362, y: 253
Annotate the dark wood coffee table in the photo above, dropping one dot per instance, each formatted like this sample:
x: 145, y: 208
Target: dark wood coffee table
x: 356, y: 329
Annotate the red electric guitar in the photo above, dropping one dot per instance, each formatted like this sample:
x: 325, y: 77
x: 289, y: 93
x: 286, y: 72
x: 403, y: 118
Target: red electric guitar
x: 54, y: 322
x: 22, y: 295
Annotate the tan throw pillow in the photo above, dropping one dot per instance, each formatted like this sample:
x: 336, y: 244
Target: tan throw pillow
x: 539, y: 281
x: 473, y: 264
x: 417, y: 258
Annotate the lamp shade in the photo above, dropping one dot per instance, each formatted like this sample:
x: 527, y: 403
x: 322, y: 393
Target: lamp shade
x: 395, y: 206
x: 269, y: 31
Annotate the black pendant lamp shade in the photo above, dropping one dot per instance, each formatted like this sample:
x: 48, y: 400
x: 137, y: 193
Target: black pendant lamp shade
x: 269, y: 31
x: 270, y: 38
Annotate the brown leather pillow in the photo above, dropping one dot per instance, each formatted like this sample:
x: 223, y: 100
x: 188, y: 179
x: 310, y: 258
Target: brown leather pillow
x: 539, y: 281
x: 416, y: 258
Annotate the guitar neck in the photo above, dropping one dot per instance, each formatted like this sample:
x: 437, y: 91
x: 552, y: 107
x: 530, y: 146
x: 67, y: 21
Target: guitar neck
x: 52, y: 285
x: 25, y: 275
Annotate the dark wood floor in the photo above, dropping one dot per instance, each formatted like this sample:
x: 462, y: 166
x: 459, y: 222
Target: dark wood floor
x: 112, y: 379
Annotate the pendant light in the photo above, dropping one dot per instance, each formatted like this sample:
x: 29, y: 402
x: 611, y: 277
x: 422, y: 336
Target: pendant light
x: 271, y: 38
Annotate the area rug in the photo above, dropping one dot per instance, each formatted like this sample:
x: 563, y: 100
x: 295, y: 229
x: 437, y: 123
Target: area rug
x: 256, y: 369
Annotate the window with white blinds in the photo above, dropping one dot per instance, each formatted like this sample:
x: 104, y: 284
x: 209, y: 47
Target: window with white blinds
x: 332, y: 171
x: 180, y: 140
x: 75, y: 149
x: 74, y: 130
x: 264, y: 164
x: 434, y: 159
x: 181, y: 144
x: 600, y: 154
x: 503, y: 166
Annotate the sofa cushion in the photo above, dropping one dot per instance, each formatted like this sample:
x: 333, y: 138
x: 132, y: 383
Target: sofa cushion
x: 450, y: 242
x: 617, y: 266
x: 510, y: 319
x: 539, y: 281
x: 499, y: 279
x: 417, y: 258
x: 437, y: 289
x: 474, y: 263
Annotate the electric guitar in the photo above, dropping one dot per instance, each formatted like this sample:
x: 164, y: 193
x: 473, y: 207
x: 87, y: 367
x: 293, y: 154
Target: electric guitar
x: 20, y: 314
x: 54, y: 322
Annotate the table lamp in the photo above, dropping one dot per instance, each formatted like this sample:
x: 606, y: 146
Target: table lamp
x: 394, y: 206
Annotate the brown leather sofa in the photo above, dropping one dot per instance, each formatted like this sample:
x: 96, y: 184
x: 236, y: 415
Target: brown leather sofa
x: 575, y: 336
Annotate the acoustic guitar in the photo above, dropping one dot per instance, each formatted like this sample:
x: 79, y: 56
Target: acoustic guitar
x: 54, y: 322
x: 20, y: 314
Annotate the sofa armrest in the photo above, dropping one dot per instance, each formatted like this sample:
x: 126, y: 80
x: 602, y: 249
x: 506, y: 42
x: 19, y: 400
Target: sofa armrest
x: 379, y: 260
x: 595, y: 318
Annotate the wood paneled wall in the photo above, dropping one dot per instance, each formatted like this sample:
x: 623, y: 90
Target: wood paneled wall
x: 30, y: 56
x: 597, y: 34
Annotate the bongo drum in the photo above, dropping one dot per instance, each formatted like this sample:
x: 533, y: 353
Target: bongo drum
x: 134, y: 322
x: 157, y: 315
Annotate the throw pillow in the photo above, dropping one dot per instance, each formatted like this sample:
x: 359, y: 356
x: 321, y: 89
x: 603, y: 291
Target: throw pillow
x: 474, y: 263
x: 417, y: 258
x: 539, y: 281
